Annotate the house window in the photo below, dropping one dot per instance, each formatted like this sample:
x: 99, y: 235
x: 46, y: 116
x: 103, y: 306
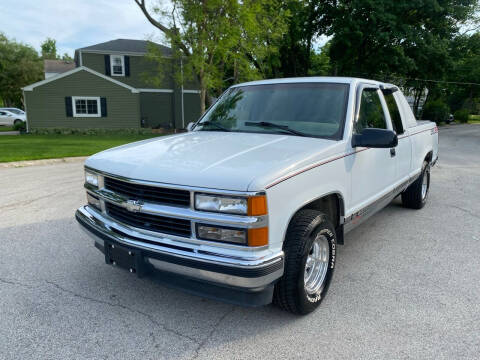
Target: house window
x: 86, y: 106
x: 117, y: 64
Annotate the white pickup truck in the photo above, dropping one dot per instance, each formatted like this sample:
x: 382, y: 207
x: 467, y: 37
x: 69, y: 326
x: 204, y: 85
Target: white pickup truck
x: 249, y: 205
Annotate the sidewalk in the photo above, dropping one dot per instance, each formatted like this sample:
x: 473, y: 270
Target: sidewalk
x: 16, y: 164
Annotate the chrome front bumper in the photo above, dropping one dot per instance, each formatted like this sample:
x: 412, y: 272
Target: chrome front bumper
x: 250, y: 273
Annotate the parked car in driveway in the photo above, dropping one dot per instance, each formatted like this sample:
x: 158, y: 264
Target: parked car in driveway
x: 450, y: 119
x: 14, y: 110
x: 7, y: 117
x: 250, y: 204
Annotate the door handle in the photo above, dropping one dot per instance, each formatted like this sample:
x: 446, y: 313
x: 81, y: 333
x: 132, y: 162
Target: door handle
x: 393, y: 152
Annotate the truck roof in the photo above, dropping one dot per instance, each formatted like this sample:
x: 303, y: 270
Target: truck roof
x: 313, y: 79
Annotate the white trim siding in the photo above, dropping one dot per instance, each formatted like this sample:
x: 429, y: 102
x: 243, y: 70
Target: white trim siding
x: 50, y: 74
x: 156, y: 90
x: 73, y: 71
x: 112, y: 52
x: 86, y: 98
x: 80, y: 68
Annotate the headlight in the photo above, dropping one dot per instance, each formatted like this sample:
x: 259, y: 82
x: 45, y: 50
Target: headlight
x: 222, y: 204
x: 91, y: 178
x: 253, y: 206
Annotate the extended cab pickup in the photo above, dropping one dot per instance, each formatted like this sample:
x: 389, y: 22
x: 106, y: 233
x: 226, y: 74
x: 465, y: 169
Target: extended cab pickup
x: 249, y: 205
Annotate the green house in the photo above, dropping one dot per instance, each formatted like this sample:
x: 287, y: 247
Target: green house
x: 111, y: 87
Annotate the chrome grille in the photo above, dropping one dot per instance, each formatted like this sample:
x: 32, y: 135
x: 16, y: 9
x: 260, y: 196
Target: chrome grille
x: 162, y: 224
x: 153, y: 194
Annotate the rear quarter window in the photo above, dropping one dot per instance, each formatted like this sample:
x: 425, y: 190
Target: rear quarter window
x: 405, y: 109
x: 395, y: 116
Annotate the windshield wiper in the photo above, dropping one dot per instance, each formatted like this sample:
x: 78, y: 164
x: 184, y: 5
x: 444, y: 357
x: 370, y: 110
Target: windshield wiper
x: 276, y: 126
x: 215, y: 124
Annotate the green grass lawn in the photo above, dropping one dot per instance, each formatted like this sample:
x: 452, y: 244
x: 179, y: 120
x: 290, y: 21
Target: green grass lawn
x: 33, y: 147
x: 474, y: 119
x: 6, y: 128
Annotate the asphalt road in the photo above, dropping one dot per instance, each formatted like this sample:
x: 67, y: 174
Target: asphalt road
x: 407, y: 283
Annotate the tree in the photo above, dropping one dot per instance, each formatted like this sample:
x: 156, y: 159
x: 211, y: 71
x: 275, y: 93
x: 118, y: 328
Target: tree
x: 320, y: 64
x: 19, y: 66
x: 436, y: 110
x: 66, y: 57
x: 399, y: 41
x: 49, y: 49
x: 304, y: 24
x: 215, y: 37
x: 465, y: 50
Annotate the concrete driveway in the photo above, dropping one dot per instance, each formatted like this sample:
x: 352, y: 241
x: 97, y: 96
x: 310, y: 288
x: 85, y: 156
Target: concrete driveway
x: 407, y: 283
x: 9, y: 132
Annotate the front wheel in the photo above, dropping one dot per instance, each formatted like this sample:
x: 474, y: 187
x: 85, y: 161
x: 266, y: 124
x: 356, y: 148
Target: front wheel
x: 17, y: 122
x: 310, y: 253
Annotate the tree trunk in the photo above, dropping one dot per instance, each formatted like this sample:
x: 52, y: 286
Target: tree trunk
x: 203, y: 97
x: 472, y: 105
x: 417, y: 94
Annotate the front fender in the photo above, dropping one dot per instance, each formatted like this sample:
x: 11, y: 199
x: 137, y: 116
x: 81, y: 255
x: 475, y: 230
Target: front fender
x: 286, y: 198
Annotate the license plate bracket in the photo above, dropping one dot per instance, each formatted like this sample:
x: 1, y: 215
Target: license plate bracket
x: 123, y: 257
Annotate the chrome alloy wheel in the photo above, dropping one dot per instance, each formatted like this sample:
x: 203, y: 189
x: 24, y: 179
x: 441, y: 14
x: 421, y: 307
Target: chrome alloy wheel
x: 316, y: 266
x: 425, y: 184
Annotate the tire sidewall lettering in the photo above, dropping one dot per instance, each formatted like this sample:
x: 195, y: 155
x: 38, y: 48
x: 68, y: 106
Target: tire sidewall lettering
x: 313, y: 298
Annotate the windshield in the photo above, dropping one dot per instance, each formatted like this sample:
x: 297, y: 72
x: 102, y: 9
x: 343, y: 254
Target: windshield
x: 15, y: 111
x: 305, y: 109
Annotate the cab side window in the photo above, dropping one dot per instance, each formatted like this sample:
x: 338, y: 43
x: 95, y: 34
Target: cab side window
x: 371, y: 113
x: 394, y: 113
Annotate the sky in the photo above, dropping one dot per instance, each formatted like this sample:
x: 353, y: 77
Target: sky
x: 78, y: 23
x: 74, y: 23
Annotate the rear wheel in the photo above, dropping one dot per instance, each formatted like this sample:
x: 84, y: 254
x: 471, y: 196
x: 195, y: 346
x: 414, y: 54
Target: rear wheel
x: 310, y: 247
x: 415, y: 196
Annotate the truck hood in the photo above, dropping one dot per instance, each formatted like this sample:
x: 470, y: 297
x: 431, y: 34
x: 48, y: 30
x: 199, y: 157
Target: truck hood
x: 217, y: 160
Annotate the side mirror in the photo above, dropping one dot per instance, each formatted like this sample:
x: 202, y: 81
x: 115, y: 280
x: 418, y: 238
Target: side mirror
x: 190, y: 126
x: 375, y: 138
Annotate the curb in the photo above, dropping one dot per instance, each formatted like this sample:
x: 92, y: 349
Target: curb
x: 19, y: 164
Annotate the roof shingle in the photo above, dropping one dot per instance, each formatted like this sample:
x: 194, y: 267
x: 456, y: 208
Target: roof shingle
x: 57, y: 66
x: 126, y: 45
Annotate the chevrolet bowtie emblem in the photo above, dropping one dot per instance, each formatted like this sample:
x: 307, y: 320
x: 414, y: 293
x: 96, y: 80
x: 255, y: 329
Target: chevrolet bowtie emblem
x: 134, y: 205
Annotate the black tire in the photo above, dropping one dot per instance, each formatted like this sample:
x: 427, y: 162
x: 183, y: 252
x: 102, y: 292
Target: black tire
x: 290, y: 293
x: 18, y: 121
x: 412, y: 197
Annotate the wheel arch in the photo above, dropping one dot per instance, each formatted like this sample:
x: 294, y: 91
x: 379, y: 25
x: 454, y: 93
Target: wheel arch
x: 429, y: 157
x: 333, y: 205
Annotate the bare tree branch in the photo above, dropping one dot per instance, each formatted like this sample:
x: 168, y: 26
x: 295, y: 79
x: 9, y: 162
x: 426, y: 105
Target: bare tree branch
x: 169, y: 32
x: 470, y: 30
x: 141, y: 4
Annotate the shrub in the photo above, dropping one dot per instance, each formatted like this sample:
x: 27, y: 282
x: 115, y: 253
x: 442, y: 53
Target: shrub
x: 20, y: 126
x: 436, y: 110
x: 462, y: 115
